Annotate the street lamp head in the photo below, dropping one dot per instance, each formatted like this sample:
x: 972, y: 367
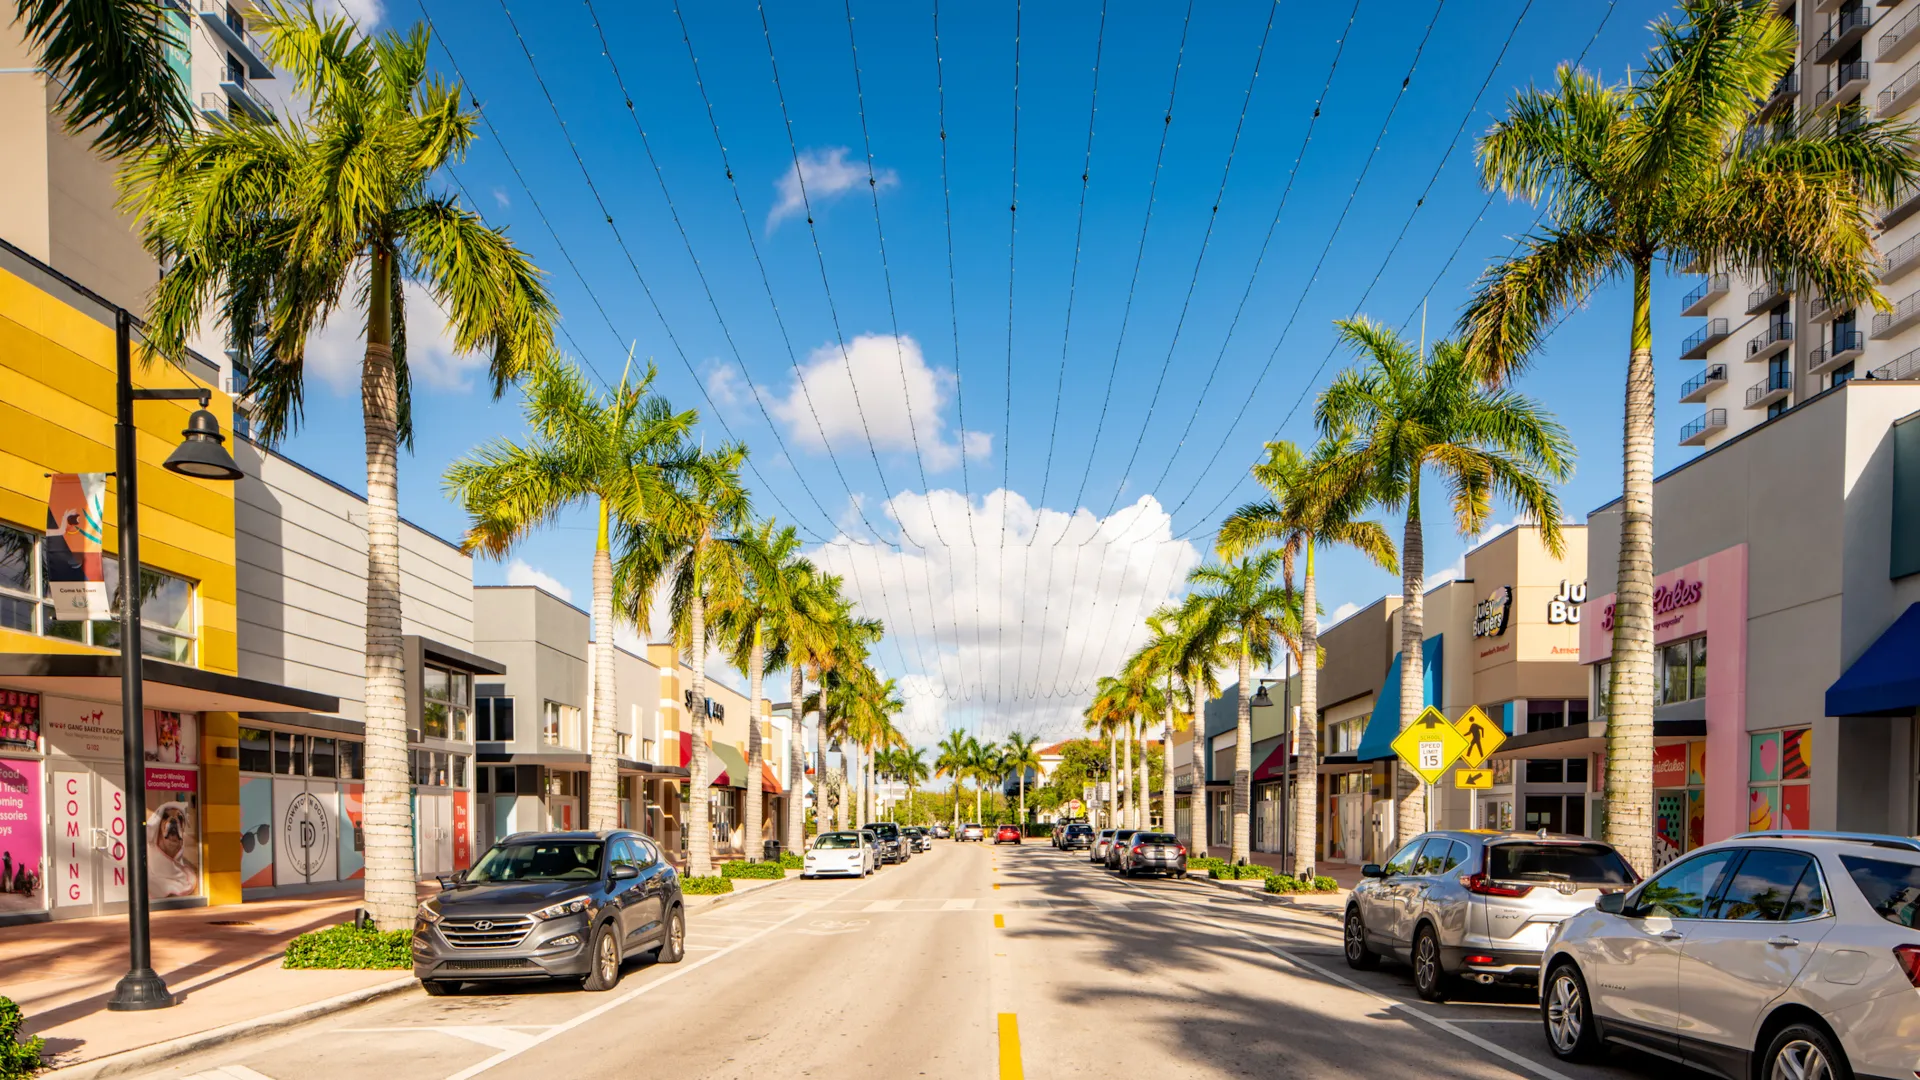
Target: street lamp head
x: 1260, y: 698
x: 201, y: 454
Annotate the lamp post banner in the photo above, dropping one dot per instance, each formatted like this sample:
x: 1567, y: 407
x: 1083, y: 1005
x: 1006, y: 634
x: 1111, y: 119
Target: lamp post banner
x: 75, y: 561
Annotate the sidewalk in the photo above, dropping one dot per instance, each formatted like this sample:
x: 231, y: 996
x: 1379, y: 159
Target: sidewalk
x: 1333, y: 903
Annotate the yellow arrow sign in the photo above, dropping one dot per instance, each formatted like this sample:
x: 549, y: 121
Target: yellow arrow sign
x: 1482, y: 736
x: 1430, y: 746
x: 1473, y: 779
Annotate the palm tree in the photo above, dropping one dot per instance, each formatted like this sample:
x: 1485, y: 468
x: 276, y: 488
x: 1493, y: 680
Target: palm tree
x: 1200, y: 646
x: 953, y: 757
x: 1256, y: 614
x: 799, y: 622
x: 1102, y: 717
x: 1662, y: 167
x: 985, y: 767
x: 1311, y: 501
x: 1021, y: 757
x: 272, y: 224
x: 109, y: 58
x: 618, y: 452
x: 1408, y: 413
x: 690, y: 543
x: 910, y: 768
x: 748, y: 597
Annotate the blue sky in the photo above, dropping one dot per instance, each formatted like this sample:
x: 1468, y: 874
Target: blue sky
x: 1104, y: 501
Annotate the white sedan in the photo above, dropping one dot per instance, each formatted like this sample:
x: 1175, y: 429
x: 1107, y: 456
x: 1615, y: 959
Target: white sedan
x: 838, y: 854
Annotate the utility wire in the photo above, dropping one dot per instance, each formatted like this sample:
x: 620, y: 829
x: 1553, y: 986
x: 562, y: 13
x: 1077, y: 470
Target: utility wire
x: 1006, y: 438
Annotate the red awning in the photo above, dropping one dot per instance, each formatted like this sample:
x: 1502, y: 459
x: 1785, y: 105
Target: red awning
x: 1275, y: 766
x: 686, y: 749
x: 768, y: 782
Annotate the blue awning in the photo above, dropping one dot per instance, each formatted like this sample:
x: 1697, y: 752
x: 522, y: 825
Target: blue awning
x: 1885, y: 681
x: 1384, y: 725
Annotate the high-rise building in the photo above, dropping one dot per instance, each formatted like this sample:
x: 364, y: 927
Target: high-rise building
x: 1767, y: 346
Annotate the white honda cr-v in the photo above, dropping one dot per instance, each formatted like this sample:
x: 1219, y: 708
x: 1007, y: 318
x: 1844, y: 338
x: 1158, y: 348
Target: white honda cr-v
x: 1796, y: 952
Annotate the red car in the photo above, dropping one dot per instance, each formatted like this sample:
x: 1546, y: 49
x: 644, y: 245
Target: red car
x: 1006, y: 834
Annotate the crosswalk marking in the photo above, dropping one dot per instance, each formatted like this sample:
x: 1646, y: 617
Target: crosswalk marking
x: 231, y: 1072
x: 883, y: 905
x: 957, y: 905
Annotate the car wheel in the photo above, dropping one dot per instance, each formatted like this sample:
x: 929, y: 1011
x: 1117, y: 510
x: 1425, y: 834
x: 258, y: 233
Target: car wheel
x: 673, y: 947
x: 1359, y: 957
x: 605, y: 972
x: 1805, y: 1052
x: 1571, y: 1033
x: 437, y: 987
x: 1429, y: 978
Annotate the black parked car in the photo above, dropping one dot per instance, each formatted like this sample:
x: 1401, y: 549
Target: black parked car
x: 919, y: 838
x: 894, y: 845
x: 556, y: 905
x: 1074, y: 836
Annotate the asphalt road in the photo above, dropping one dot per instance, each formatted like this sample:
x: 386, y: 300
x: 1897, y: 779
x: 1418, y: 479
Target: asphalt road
x: 970, y: 962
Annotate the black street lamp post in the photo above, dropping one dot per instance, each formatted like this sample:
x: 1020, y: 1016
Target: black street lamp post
x: 199, y: 455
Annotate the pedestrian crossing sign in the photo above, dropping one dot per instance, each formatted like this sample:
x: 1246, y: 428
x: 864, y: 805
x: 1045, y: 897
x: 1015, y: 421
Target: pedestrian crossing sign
x: 1430, y: 745
x: 1482, y: 737
x: 1472, y: 779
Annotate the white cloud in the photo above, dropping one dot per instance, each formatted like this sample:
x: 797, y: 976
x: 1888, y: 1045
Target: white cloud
x: 724, y: 384
x: 367, y: 13
x: 1340, y: 613
x: 828, y: 175
x: 881, y: 389
x: 337, y: 350
x: 1035, y: 620
x: 521, y: 572
x: 500, y: 198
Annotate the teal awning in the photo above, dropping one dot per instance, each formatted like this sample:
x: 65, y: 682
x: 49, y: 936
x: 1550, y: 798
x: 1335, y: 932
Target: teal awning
x: 1384, y: 725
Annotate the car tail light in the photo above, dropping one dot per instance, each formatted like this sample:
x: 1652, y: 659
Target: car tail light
x: 1478, y: 959
x: 1908, y: 957
x: 1181, y: 848
x: 1481, y: 885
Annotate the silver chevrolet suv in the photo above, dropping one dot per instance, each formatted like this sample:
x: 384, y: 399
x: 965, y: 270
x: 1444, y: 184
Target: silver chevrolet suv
x: 1476, y: 905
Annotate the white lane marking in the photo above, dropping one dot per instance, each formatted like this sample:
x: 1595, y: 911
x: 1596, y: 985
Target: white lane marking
x: 230, y: 1072
x: 679, y: 971
x: 883, y: 905
x: 498, y: 1036
x: 957, y: 905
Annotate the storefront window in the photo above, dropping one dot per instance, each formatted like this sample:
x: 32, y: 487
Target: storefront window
x: 1780, y: 767
x: 167, y: 609
x: 493, y: 719
x: 289, y: 754
x: 446, y: 702
x: 1602, y: 688
x: 19, y: 579
x: 350, y: 761
x: 1680, y: 671
x: 255, y: 752
x: 325, y: 763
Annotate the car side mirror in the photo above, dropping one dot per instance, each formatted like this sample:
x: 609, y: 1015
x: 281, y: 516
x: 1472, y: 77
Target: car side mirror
x: 624, y: 872
x: 448, y: 881
x: 1372, y: 870
x: 1613, y: 903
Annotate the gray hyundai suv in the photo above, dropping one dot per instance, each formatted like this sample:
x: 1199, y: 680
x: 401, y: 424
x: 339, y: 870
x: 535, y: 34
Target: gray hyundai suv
x: 556, y: 905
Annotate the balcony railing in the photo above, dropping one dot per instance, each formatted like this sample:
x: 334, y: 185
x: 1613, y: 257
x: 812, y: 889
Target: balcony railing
x: 1905, y: 201
x: 1784, y: 91
x: 1698, y: 342
x: 1846, y: 346
x: 1900, y: 92
x: 1773, y: 340
x: 1696, y: 431
x: 249, y: 102
x: 213, y: 104
x: 1847, y: 27
x: 1820, y: 309
x: 1714, y: 287
x: 226, y: 24
x: 1698, y: 387
x: 1895, y: 40
x: 1766, y: 296
x: 1776, y: 386
x: 1904, y: 256
x: 1847, y: 82
x: 1888, y: 323
x: 1904, y: 366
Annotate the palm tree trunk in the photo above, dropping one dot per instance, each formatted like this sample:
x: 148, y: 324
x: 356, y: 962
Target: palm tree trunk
x: 1166, y: 763
x: 796, y: 757
x: 1198, y: 823
x: 388, y: 807
x: 1306, y: 786
x: 848, y: 815
x: 824, y: 816
x: 699, y: 810
x: 1411, y: 816
x: 756, y: 798
x: 1146, y: 799
x: 603, y: 768
x: 1127, y: 814
x: 1113, y: 782
x: 1630, y: 685
x: 1243, y: 761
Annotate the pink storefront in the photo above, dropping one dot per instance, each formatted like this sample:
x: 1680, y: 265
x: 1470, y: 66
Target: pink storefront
x: 1712, y: 778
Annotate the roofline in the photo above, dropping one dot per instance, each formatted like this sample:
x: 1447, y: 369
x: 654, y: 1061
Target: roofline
x: 342, y: 488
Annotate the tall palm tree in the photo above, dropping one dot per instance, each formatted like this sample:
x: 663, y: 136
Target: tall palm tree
x: 617, y: 452
x: 952, y: 758
x: 109, y: 58
x: 910, y: 768
x: 749, y: 596
x: 1201, y: 647
x: 1258, y: 615
x: 691, y: 542
x: 986, y: 767
x: 1661, y: 167
x: 271, y: 224
x: 800, y: 622
x: 1103, y: 717
x: 1407, y: 413
x: 1022, y: 756
x: 1312, y: 501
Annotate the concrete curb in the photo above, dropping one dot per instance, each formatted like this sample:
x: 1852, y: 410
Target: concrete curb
x: 1260, y: 894
x: 142, y: 1057
x: 726, y: 898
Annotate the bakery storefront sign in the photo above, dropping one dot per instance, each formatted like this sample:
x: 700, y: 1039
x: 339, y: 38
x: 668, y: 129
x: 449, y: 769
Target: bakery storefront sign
x: 1667, y: 598
x: 1490, y: 615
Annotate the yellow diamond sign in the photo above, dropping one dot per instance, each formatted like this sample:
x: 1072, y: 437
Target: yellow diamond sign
x: 1482, y: 736
x: 1430, y: 745
x: 1472, y: 779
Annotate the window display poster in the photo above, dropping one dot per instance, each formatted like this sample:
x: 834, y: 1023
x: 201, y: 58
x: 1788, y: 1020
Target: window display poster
x: 1793, y: 806
x: 304, y: 833
x: 19, y: 720
x: 256, y: 832
x: 87, y: 729
x: 73, y: 837
x: 1670, y: 766
x: 462, y: 845
x: 1765, y: 761
x: 173, y: 833
x: 23, y: 867
x: 172, y: 738
x: 1760, y: 806
x: 353, y: 842
x: 1796, y: 756
x: 1669, y: 824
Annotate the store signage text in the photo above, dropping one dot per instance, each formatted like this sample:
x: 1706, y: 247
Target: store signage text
x: 1490, y: 615
x: 1682, y: 593
x: 1564, y: 608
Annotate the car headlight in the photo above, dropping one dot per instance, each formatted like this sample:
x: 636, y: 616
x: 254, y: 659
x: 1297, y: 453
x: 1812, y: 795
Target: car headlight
x: 564, y: 908
x: 429, y: 912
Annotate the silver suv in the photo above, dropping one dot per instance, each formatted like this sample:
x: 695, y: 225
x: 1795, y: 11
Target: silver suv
x: 1477, y: 905
x: 1776, y: 954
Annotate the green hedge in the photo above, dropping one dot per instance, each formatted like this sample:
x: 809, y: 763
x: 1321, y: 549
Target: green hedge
x: 792, y: 860
x: 1205, y: 862
x: 759, y: 870
x: 1241, y: 873
x: 1282, y: 883
x: 705, y: 886
x: 348, y: 946
x: 19, y: 1058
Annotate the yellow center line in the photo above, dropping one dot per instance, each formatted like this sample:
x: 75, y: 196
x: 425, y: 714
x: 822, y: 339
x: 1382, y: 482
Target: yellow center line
x: 1010, y: 1067
x: 999, y: 922
x: 996, y: 884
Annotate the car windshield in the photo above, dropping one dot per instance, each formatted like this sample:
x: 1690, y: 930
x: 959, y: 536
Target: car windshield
x: 884, y: 830
x: 1079, y: 830
x: 1587, y: 863
x: 976, y: 828
x: 837, y: 841
x: 538, y: 860
x: 1154, y: 838
x: 1893, y: 889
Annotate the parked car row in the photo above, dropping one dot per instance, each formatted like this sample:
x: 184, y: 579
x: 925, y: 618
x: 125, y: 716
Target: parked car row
x: 1131, y: 851
x: 859, y: 852
x: 1781, y: 955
